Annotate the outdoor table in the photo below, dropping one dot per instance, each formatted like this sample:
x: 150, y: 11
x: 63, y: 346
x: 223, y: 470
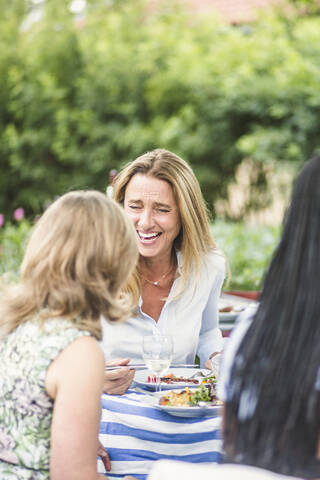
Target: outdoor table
x: 136, y: 434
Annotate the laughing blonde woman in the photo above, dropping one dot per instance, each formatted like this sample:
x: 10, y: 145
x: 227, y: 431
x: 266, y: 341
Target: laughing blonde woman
x: 178, y: 279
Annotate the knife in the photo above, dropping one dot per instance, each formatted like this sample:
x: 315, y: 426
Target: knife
x: 143, y: 366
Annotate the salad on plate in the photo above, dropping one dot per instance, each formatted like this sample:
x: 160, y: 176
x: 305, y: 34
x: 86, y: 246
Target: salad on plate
x: 204, y: 395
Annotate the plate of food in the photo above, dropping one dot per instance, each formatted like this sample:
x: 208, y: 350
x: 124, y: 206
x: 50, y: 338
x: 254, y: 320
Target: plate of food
x: 175, y: 378
x: 200, y: 401
x: 230, y: 306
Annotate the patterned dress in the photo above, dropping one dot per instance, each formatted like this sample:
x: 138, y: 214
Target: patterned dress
x: 25, y: 407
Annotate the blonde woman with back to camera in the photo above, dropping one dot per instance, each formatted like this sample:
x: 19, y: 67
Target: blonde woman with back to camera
x: 178, y: 279
x: 77, y: 261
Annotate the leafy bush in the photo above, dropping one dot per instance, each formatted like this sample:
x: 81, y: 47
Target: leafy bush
x: 13, y: 238
x: 248, y: 251
x: 126, y: 81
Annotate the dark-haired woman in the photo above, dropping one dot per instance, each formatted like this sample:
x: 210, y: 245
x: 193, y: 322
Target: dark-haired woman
x: 272, y: 364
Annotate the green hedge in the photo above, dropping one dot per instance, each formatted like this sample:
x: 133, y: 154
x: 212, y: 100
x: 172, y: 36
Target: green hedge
x: 13, y: 238
x: 247, y: 249
x: 79, y: 99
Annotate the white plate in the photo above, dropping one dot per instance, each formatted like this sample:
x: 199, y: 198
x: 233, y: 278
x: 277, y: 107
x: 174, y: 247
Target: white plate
x: 228, y: 316
x: 238, y: 304
x: 207, y: 411
x: 213, y: 411
x: 141, y: 378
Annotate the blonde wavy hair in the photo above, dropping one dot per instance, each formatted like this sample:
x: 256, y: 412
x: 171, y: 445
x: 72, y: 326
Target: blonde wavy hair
x: 194, y: 240
x: 75, y: 266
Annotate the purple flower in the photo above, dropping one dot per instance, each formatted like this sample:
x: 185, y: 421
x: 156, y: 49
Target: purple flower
x: 18, y: 214
x: 7, y: 445
x: 1, y: 219
x: 5, y: 440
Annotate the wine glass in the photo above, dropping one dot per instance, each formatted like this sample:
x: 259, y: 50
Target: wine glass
x: 157, y: 352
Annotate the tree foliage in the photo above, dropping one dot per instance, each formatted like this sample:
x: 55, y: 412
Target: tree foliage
x: 248, y: 250
x: 80, y: 98
x: 306, y: 7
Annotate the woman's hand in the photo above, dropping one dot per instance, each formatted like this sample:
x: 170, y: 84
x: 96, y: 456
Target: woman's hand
x: 213, y: 363
x: 117, y: 382
x: 103, y: 454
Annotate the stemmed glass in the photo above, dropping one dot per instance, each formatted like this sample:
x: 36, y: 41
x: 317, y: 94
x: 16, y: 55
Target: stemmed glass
x: 157, y: 352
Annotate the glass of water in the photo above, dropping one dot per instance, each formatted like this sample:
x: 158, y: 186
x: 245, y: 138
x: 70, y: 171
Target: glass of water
x: 157, y: 352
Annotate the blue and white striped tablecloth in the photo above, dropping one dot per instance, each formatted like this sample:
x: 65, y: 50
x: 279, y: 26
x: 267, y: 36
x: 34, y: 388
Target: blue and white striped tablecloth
x: 136, y: 434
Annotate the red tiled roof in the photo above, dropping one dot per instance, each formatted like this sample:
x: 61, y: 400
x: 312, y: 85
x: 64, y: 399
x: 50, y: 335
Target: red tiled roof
x: 233, y: 11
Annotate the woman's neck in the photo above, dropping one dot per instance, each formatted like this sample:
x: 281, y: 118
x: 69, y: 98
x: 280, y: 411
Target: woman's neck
x: 158, y: 266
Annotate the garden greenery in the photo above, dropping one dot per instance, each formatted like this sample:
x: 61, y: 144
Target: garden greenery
x: 247, y: 249
x: 78, y: 98
x: 13, y: 238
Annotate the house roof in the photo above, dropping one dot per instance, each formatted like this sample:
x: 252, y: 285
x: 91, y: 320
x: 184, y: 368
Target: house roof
x: 232, y: 11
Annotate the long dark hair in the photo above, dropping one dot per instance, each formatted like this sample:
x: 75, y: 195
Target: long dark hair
x: 272, y: 414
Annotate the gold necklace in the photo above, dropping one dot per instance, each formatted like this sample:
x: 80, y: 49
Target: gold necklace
x: 156, y: 284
